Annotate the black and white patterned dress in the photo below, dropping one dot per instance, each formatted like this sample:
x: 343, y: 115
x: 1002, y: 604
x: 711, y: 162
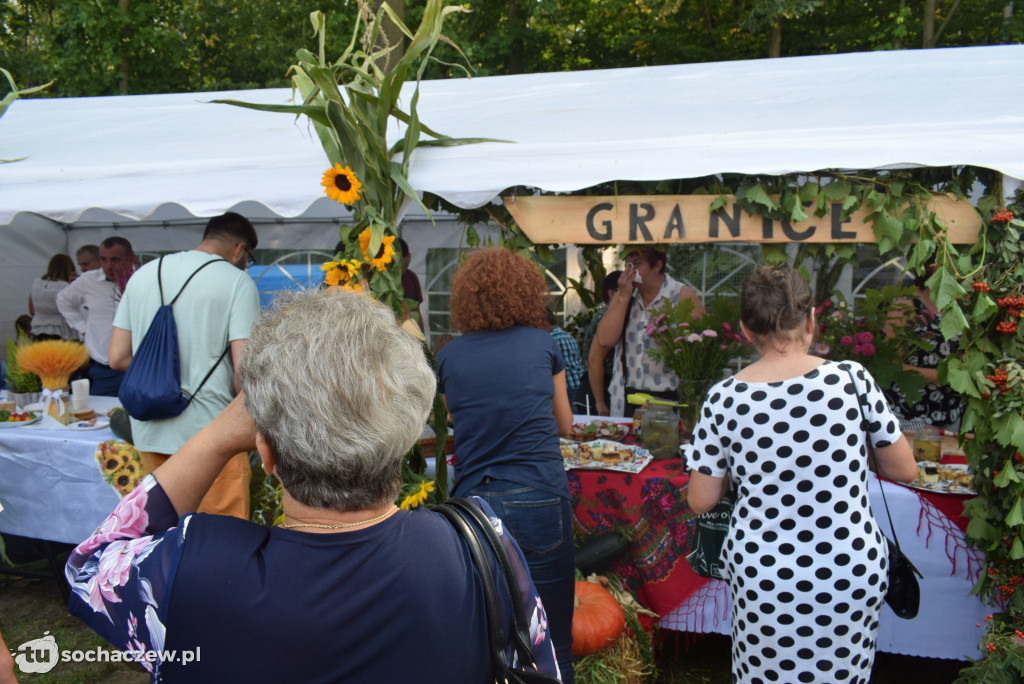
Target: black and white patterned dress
x: 804, y: 558
x: 938, y: 405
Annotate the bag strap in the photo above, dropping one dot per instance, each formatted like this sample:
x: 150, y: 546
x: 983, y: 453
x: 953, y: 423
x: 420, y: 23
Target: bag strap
x: 496, y: 635
x: 160, y: 284
x: 208, y: 374
x: 519, y: 624
x: 874, y: 459
x: 187, y: 281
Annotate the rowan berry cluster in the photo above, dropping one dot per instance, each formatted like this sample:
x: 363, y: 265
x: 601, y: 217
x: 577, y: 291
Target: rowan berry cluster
x: 1004, y: 215
x: 981, y: 287
x: 999, y: 378
x: 1013, y: 305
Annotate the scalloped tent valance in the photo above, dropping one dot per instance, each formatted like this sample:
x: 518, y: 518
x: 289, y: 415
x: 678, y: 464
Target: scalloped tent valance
x: 568, y: 131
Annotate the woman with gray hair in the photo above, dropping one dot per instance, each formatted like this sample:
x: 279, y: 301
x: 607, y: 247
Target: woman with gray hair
x: 348, y: 587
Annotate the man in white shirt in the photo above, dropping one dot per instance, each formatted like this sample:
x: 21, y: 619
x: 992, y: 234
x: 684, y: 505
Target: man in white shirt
x: 89, y: 305
x: 88, y: 258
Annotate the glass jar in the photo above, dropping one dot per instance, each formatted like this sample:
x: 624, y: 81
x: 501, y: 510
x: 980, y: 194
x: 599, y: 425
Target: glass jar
x: 638, y: 421
x: 660, y: 427
x: 928, y: 444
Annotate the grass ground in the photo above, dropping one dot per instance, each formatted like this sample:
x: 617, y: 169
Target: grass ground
x: 30, y: 607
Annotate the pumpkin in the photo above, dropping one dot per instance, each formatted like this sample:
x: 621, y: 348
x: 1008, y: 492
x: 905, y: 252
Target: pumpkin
x: 597, y: 619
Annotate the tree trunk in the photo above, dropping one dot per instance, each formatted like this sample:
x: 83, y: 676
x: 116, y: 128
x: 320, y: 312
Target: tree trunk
x: 517, y: 49
x: 775, y: 39
x: 931, y: 35
x: 122, y: 69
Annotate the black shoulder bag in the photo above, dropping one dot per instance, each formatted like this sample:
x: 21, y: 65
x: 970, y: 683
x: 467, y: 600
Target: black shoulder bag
x: 470, y: 522
x: 903, y: 594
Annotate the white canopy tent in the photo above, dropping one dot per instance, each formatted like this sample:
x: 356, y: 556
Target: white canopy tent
x: 152, y: 160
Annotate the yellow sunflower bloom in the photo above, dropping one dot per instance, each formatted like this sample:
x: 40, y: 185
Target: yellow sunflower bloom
x: 352, y: 266
x: 364, y: 243
x: 341, y: 184
x: 335, y: 273
x: 381, y: 262
x: 384, y: 255
x: 418, y: 497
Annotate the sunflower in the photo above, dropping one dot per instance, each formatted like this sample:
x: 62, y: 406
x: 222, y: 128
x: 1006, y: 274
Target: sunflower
x: 340, y: 272
x: 384, y: 255
x: 341, y: 184
x: 418, y: 497
x: 335, y: 273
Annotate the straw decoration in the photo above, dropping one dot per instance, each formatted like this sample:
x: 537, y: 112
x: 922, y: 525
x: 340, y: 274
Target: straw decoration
x: 53, y: 360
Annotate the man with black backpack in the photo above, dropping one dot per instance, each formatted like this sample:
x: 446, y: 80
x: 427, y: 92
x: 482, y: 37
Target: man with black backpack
x: 200, y: 304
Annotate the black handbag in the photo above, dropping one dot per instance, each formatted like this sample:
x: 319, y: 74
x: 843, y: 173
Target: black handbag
x: 903, y: 594
x: 470, y: 522
x: 709, y: 537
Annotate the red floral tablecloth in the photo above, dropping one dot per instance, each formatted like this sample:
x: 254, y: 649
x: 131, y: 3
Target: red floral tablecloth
x: 652, y: 506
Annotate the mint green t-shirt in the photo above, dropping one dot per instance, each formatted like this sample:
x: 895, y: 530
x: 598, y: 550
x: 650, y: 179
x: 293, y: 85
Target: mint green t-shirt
x: 219, y: 305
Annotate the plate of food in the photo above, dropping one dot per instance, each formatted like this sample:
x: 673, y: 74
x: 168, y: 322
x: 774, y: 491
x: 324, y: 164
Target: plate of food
x: 94, y: 423
x: 10, y: 419
x: 604, y: 455
x: 944, y: 478
x: 598, y: 429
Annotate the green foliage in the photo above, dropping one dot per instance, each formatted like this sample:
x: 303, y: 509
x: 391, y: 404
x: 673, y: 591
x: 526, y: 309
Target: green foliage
x: 988, y: 372
x: 149, y: 46
x: 265, y: 494
x: 19, y: 380
x: 879, y: 335
x: 351, y: 102
x: 1003, y: 645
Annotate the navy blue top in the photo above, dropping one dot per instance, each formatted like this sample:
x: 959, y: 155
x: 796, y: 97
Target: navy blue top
x: 499, y: 389
x: 219, y: 599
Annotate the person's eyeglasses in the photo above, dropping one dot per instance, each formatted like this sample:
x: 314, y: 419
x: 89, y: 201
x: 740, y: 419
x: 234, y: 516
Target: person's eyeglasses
x: 252, y: 260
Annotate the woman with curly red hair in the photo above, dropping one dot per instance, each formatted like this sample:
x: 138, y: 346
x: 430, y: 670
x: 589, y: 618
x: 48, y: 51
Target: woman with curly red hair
x: 503, y: 381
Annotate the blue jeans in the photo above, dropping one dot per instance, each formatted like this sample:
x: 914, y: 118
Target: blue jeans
x: 104, y: 380
x: 541, y: 523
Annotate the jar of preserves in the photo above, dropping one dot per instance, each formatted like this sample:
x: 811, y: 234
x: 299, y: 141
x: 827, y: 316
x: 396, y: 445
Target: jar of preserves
x: 660, y: 426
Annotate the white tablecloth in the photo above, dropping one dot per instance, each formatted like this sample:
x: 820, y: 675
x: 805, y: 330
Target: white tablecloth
x: 50, y: 484
x: 945, y: 625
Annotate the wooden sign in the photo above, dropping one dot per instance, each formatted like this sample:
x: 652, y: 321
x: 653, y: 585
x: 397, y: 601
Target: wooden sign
x: 639, y: 219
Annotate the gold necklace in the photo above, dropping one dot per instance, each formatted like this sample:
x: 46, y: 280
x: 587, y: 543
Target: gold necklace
x: 340, y: 526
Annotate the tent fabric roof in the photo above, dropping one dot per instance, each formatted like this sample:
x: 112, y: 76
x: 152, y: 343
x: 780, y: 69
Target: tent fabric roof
x: 568, y: 131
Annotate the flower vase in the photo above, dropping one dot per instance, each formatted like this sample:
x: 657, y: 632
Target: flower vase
x: 691, y: 396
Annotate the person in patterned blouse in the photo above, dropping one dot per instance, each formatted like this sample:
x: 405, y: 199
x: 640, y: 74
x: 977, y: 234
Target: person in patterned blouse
x: 643, y: 287
x: 938, y: 404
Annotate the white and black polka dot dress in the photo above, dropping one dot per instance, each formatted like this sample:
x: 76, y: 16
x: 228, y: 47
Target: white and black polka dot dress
x: 804, y: 558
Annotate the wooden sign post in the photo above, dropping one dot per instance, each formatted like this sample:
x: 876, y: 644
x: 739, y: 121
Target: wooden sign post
x: 659, y: 219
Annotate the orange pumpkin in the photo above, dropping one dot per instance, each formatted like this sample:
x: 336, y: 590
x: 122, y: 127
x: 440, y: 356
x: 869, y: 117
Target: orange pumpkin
x: 597, y: 619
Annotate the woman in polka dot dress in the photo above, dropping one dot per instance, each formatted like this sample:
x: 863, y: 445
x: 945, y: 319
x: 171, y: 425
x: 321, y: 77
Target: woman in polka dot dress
x: 804, y: 558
